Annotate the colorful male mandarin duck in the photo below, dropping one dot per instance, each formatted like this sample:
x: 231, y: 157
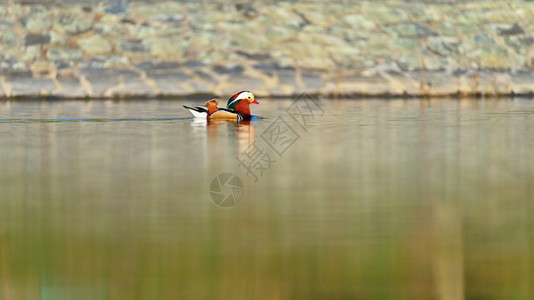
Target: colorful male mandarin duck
x: 237, y: 108
x: 203, y: 111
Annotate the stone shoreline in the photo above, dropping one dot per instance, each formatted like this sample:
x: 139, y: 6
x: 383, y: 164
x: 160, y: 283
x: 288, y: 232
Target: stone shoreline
x: 391, y: 48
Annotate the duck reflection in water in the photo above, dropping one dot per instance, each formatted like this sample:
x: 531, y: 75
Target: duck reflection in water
x: 241, y: 132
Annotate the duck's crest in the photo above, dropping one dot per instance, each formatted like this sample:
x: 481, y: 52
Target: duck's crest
x: 232, y: 101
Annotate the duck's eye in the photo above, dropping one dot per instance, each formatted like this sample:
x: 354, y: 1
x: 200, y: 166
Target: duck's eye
x: 249, y: 97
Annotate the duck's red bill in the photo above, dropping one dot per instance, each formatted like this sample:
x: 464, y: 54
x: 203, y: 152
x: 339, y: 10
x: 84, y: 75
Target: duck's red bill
x: 255, y: 102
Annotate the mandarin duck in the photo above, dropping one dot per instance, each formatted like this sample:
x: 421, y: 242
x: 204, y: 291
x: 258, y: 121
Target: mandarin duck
x: 203, y: 111
x: 237, y: 108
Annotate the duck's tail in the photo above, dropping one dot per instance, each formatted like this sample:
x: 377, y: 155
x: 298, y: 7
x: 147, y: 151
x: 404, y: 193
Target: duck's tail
x: 198, y: 111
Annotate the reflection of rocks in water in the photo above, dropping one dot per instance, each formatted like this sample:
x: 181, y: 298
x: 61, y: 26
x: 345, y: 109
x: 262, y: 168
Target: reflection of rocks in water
x: 426, y: 198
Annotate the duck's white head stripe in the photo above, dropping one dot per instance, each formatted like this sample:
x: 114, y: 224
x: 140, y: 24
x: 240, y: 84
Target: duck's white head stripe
x: 238, y: 97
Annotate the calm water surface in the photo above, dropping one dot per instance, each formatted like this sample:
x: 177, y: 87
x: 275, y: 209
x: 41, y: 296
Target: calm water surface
x: 375, y: 199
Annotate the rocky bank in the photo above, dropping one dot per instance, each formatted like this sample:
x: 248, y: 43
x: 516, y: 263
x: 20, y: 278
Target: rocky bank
x: 125, y: 48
